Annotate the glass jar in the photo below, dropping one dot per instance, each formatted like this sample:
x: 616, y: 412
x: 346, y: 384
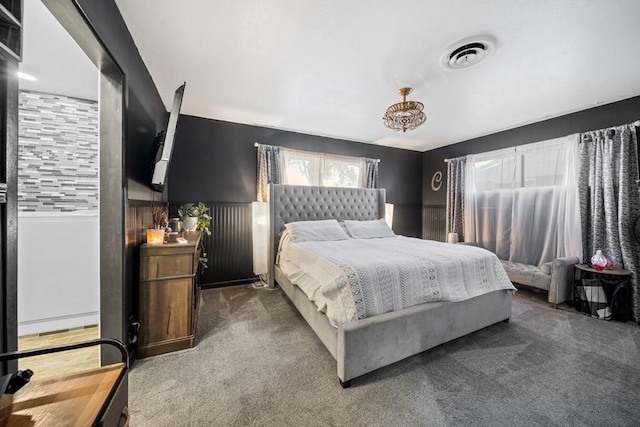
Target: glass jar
x: 598, y: 261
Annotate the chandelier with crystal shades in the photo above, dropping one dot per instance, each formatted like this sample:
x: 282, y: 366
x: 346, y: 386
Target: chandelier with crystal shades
x: 405, y: 115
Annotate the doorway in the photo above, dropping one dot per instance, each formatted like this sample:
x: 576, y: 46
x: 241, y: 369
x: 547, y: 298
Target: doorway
x: 111, y: 184
x: 58, y: 203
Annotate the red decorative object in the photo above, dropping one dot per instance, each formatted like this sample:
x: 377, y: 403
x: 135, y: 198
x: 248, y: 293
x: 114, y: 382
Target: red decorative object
x: 598, y: 261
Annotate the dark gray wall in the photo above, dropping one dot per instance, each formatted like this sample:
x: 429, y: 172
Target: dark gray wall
x: 145, y: 113
x: 608, y: 115
x: 215, y: 161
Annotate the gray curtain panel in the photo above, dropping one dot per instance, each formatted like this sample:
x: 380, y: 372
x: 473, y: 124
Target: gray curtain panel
x: 609, y: 199
x: 371, y: 173
x: 455, y: 196
x: 268, y: 169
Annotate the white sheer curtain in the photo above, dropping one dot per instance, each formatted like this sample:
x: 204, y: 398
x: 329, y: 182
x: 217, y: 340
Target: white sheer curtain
x: 522, y: 202
x: 569, y: 223
x: 490, y: 180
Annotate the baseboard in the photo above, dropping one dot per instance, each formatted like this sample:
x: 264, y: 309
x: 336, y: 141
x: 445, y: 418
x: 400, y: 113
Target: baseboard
x: 229, y: 283
x: 40, y: 326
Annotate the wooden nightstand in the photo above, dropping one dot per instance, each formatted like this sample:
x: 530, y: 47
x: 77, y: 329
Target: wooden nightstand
x: 168, y: 296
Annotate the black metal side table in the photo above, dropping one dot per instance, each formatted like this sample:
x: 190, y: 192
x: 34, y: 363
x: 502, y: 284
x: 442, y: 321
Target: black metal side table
x: 603, y: 294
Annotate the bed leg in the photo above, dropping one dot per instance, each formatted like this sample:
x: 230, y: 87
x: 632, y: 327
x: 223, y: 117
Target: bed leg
x: 345, y: 384
x: 506, y: 320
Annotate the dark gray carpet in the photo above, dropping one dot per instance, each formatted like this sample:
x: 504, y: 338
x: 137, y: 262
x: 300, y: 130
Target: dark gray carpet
x: 258, y: 363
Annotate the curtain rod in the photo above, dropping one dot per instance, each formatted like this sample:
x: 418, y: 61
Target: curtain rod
x: 636, y: 124
x: 453, y: 158
x: 256, y: 144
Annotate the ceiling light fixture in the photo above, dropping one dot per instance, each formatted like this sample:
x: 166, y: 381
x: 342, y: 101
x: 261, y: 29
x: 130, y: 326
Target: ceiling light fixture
x: 405, y: 115
x: 25, y: 76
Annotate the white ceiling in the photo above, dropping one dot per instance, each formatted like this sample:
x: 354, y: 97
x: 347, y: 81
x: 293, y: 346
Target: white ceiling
x: 53, y: 57
x: 332, y: 67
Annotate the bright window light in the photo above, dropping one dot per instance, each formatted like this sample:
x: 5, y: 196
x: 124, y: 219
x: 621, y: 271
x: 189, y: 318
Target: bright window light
x: 260, y: 237
x: 388, y: 214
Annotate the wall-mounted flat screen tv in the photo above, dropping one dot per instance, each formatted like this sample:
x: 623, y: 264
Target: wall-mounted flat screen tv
x: 163, y: 144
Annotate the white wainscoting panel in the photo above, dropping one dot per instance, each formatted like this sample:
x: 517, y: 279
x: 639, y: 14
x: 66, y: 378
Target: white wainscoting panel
x: 58, y: 271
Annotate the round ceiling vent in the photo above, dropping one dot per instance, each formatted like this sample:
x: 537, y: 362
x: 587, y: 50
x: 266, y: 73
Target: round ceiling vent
x: 467, y: 52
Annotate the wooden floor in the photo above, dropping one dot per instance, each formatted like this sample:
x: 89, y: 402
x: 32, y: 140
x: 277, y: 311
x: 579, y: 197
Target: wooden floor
x: 68, y: 361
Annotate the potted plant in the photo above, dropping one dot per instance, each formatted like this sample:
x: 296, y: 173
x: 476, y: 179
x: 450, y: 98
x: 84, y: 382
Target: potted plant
x: 195, y: 216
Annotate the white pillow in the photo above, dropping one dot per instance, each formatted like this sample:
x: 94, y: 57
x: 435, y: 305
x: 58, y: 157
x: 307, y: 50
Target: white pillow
x: 369, y: 229
x: 315, y: 231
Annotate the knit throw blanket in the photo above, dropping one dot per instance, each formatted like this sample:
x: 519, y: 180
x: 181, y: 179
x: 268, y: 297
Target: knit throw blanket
x: 358, y: 278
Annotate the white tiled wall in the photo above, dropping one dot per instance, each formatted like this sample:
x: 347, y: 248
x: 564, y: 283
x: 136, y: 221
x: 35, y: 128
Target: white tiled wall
x: 58, y: 153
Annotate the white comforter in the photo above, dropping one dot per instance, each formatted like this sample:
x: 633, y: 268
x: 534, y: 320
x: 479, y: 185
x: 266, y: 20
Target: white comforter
x: 358, y: 278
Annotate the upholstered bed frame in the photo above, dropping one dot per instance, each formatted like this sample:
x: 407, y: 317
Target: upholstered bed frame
x: 368, y: 344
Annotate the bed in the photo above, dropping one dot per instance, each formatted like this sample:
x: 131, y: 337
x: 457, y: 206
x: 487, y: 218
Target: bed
x: 367, y: 344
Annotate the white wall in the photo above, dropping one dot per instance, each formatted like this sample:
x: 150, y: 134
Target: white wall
x: 58, y: 271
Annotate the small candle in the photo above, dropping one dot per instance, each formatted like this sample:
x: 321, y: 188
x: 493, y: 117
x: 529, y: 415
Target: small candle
x: 155, y: 236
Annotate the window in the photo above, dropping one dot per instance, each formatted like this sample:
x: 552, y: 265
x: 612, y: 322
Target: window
x: 541, y: 166
x: 521, y: 203
x: 319, y: 169
x: 300, y: 168
x: 496, y: 173
x: 527, y: 166
x: 341, y: 171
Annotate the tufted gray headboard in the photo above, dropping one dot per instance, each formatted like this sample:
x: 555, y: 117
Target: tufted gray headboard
x: 289, y: 203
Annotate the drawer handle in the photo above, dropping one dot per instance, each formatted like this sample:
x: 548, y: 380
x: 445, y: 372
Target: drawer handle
x: 124, y: 417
